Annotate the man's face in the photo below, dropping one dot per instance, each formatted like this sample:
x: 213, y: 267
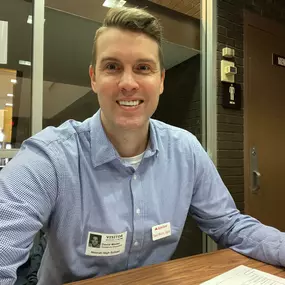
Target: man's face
x: 127, y: 79
x: 94, y: 241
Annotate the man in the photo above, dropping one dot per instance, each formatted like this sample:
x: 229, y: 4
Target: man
x: 94, y: 241
x: 119, y: 174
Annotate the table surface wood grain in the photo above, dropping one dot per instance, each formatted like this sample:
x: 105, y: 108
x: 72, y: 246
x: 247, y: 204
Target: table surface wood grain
x: 190, y: 270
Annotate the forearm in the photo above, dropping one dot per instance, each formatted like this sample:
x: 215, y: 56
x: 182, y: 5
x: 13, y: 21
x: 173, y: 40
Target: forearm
x: 28, y: 190
x: 18, y: 228
x: 249, y: 237
x: 215, y: 211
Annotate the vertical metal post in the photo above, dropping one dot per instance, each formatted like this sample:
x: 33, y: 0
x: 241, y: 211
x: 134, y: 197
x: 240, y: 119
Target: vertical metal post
x: 37, y: 66
x: 37, y: 75
x: 209, y: 89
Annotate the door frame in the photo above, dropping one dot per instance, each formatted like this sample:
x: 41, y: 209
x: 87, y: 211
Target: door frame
x: 274, y: 28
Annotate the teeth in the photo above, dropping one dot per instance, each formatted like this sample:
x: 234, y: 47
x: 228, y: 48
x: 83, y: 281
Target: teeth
x: 129, y: 103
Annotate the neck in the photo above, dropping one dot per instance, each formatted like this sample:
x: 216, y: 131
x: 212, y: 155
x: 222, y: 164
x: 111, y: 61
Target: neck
x: 128, y: 143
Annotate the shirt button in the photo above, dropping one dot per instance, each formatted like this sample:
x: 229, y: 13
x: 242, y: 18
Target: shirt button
x: 136, y: 243
x: 138, y: 211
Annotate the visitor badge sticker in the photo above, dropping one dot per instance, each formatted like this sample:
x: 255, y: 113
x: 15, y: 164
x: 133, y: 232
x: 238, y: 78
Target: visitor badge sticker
x: 99, y: 244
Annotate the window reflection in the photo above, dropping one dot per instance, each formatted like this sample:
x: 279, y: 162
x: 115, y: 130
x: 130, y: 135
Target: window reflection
x: 15, y: 72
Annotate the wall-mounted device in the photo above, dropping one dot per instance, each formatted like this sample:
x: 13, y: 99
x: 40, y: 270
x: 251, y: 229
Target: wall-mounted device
x: 231, y: 91
x: 228, y: 52
x: 228, y: 71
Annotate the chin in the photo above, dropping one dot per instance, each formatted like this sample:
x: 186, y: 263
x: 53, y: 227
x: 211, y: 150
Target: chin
x: 131, y: 124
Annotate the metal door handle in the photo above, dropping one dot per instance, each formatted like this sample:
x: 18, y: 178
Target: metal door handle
x: 256, y: 180
x: 254, y: 173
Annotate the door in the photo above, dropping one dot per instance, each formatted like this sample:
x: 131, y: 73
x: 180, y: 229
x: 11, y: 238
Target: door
x: 264, y: 110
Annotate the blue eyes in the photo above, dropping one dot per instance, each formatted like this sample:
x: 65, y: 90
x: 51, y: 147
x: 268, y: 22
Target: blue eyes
x: 143, y: 67
x: 113, y: 67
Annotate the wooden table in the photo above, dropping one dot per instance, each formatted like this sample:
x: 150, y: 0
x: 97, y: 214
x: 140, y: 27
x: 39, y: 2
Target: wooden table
x: 190, y: 270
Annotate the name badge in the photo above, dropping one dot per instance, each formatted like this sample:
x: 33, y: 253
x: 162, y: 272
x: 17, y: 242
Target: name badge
x: 99, y: 244
x: 161, y: 231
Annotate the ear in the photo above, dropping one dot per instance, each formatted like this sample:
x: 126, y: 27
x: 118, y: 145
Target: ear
x: 162, y: 82
x: 92, y: 78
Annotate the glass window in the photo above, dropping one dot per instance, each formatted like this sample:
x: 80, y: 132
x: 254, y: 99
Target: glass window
x: 15, y: 72
x: 67, y: 91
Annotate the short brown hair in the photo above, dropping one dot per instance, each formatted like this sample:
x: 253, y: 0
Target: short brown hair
x: 132, y: 19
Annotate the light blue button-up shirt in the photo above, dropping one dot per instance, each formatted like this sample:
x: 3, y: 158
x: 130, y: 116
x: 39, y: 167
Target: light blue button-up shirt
x: 71, y: 181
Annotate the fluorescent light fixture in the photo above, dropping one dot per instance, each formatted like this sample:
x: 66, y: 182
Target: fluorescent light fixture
x: 30, y: 19
x: 10, y: 95
x: 2, y: 136
x: 14, y: 81
x: 4, y: 42
x: 114, y: 3
x: 9, y: 104
x: 25, y: 62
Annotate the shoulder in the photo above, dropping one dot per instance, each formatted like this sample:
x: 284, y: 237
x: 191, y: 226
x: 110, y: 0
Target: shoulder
x: 62, y: 133
x: 53, y: 144
x: 175, y: 137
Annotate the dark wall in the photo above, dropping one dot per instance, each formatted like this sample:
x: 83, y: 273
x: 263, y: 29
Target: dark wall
x: 180, y: 106
x: 172, y: 21
x: 230, y: 122
x: 81, y: 109
x: 180, y: 103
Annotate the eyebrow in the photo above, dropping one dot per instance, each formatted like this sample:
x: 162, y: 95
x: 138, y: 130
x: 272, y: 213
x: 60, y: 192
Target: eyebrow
x: 108, y: 59
x: 147, y: 60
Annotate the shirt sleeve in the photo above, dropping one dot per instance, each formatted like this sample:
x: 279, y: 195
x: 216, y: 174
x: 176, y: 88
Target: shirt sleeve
x: 215, y: 211
x: 28, y: 191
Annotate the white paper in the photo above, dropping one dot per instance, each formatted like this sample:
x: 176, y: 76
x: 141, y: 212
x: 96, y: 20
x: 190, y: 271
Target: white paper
x: 243, y: 275
x: 3, y: 42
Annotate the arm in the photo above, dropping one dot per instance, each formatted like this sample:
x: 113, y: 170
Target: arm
x: 28, y: 189
x: 215, y: 211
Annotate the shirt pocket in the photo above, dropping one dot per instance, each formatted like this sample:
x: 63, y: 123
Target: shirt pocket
x: 162, y: 249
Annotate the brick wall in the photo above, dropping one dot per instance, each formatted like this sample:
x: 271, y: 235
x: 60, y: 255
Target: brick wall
x: 230, y: 122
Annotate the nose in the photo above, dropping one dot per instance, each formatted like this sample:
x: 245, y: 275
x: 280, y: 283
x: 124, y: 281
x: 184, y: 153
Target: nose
x: 128, y: 82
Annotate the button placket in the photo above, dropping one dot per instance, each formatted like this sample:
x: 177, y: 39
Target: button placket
x: 138, y: 233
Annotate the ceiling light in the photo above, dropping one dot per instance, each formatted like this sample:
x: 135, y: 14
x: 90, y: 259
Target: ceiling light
x: 4, y: 42
x: 8, y: 146
x: 114, y: 3
x: 25, y: 62
x: 9, y: 104
x: 30, y: 19
x: 14, y: 81
x: 10, y: 95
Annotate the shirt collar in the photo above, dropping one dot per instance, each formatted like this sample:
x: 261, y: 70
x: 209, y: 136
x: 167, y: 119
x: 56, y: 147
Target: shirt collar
x: 102, y: 150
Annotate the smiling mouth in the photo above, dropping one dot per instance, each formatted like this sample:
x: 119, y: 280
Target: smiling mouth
x: 133, y: 103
